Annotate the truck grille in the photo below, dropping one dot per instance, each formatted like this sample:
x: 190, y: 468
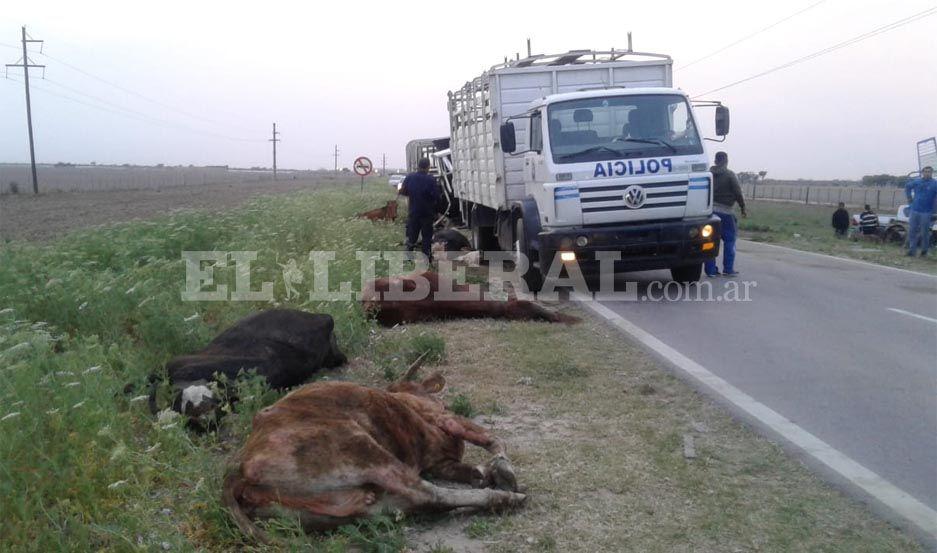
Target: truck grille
x: 610, y: 198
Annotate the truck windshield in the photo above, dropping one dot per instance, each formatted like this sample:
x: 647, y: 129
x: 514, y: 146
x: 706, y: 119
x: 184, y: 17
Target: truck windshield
x: 619, y: 127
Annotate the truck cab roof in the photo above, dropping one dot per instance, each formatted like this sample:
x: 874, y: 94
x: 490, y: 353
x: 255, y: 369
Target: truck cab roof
x: 602, y: 92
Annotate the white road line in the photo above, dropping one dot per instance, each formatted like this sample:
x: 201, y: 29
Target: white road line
x: 910, y: 314
x: 900, y: 502
x: 846, y: 259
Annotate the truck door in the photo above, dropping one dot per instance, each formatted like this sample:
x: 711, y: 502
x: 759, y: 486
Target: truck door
x: 533, y: 159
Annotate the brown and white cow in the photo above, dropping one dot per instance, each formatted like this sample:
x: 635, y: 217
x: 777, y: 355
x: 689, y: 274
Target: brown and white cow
x: 390, y: 312
x: 331, y: 452
x: 386, y: 213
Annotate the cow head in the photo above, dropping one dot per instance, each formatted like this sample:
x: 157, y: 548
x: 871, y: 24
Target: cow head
x: 198, y: 401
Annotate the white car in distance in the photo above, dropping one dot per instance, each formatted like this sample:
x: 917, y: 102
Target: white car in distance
x: 396, y: 180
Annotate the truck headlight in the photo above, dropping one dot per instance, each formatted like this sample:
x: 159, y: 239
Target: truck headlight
x: 567, y: 257
x: 707, y: 231
x: 582, y: 241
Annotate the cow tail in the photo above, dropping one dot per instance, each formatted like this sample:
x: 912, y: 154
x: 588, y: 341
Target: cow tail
x: 231, y: 490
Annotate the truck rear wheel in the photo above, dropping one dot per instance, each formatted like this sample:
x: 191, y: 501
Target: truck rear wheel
x: 687, y: 273
x: 533, y: 277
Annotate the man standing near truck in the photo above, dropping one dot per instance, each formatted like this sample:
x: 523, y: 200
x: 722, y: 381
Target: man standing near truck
x: 921, y: 193
x: 726, y: 191
x: 423, y: 194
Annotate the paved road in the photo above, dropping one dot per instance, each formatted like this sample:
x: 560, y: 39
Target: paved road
x: 822, y: 344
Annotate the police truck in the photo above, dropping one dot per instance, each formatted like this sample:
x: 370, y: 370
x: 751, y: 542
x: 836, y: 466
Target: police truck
x: 558, y: 157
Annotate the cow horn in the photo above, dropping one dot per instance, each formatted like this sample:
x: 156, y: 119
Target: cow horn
x: 414, y: 367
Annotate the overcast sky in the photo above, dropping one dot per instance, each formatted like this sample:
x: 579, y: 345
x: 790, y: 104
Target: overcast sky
x: 371, y: 77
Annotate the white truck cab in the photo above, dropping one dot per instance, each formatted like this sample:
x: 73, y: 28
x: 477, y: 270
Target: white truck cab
x: 615, y: 156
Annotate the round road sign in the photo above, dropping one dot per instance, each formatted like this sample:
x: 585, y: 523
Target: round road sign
x: 363, y: 166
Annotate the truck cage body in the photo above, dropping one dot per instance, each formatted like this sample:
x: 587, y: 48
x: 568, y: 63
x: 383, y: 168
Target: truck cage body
x: 424, y: 147
x: 482, y: 173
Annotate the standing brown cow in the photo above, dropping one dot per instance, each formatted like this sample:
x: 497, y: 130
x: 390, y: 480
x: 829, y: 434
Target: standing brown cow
x: 331, y: 452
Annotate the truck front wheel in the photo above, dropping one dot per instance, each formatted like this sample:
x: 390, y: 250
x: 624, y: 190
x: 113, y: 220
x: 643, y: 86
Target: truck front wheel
x: 687, y: 273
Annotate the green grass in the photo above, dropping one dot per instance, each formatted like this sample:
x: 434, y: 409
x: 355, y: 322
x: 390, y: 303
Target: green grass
x: 479, y: 528
x: 807, y: 227
x: 462, y: 405
x: 394, y: 353
x: 82, y: 464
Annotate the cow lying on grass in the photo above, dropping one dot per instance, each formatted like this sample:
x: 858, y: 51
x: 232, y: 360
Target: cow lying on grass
x: 284, y: 346
x: 386, y: 213
x: 390, y: 312
x: 331, y: 452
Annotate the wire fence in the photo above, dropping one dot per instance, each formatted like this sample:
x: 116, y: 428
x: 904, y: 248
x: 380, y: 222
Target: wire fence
x: 878, y: 197
x: 16, y: 178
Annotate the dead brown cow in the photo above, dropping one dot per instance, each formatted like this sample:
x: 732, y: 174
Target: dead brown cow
x: 331, y: 452
x: 388, y: 212
x: 391, y: 312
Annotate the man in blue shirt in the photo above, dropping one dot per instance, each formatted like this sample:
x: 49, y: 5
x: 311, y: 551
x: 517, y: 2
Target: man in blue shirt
x: 422, y: 193
x: 922, y: 193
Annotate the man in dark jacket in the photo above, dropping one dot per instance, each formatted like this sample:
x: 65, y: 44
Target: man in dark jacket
x: 423, y: 193
x: 841, y: 220
x: 726, y: 192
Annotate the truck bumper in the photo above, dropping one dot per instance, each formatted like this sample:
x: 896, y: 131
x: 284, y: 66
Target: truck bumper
x: 643, y: 247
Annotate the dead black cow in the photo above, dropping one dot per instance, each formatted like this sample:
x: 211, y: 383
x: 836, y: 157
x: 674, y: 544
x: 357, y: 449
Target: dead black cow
x: 284, y: 346
x: 449, y: 240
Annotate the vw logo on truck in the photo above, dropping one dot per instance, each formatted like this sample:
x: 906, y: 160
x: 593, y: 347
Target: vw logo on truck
x: 634, y: 196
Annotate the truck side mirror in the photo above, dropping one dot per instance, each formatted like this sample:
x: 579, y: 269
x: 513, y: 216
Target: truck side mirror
x: 508, y: 139
x: 722, y: 120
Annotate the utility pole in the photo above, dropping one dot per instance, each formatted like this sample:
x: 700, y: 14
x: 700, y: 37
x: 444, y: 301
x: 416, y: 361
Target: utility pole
x: 29, y: 112
x: 384, y: 165
x: 275, y: 140
x: 336, y: 157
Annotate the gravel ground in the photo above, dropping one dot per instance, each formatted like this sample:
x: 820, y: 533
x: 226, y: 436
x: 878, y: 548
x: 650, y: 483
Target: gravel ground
x: 47, y: 216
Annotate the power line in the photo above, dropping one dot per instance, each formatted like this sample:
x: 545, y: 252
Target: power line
x: 138, y: 116
x: 843, y: 44
x: 143, y: 96
x: 138, y: 113
x: 746, y: 37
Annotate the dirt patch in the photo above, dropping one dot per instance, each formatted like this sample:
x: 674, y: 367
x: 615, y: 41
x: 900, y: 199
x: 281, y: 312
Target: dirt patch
x: 596, y: 432
x: 46, y: 216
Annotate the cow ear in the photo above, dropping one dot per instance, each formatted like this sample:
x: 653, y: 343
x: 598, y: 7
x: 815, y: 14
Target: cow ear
x: 434, y: 383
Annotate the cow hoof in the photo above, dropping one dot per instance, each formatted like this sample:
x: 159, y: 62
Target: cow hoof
x: 501, y: 474
x: 507, y: 500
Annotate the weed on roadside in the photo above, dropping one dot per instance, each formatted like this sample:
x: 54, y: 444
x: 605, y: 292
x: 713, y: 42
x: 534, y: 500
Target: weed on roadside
x: 462, y: 405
